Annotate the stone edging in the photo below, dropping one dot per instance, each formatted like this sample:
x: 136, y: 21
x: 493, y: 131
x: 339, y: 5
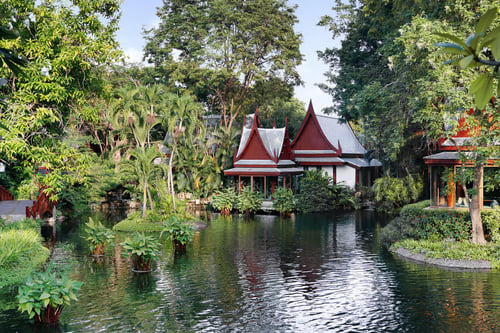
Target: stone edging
x: 441, y: 262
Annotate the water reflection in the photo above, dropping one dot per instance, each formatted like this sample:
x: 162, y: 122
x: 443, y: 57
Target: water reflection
x: 312, y: 273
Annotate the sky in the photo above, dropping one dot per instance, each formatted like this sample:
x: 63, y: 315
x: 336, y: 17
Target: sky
x: 139, y: 14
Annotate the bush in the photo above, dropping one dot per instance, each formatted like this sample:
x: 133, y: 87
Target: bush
x: 283, y: 200
x: 424, y: 223
x: 391, y: 193
x: 142, y: 250
x: 21, y: 253
x: 44, y: 295
x: 97, y: 236
x: 224, y: 200
x: 393, y: 232
x: 491, y: 221
x: 135, y: 223
x: 179, y: 230
x: 315, y: 194
x: 344, y: 197
x: 451, y: 250
x: 248, y: 201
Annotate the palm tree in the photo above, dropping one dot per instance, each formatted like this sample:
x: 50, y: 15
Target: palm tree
x: 141, y: 166
x: 183, y: 116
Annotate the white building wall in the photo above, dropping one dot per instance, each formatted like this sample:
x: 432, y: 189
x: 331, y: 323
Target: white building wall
x: 346, y: 175
x: 328, y: 170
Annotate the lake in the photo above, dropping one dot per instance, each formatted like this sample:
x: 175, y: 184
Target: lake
x: 311, y: 273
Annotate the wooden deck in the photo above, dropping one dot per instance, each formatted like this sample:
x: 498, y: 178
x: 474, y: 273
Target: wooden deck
x: 14, y: 210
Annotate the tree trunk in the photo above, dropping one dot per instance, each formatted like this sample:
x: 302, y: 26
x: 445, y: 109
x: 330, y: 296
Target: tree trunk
x: 144, y: 199
x: 476, y: 205
x: 171, y: 177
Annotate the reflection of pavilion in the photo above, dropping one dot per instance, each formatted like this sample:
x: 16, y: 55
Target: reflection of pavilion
x: 267, y: 158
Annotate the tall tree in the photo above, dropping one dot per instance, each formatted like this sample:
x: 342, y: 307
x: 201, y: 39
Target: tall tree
x: 224, y: 46
x: 67, y: 44
x: 480, y: 51
x: 370, y: 79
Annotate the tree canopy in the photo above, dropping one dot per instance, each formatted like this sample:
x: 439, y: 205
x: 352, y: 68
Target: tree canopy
x: 220, y: 49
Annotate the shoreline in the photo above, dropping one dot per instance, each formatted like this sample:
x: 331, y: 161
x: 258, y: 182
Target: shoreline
x: 443, y: 262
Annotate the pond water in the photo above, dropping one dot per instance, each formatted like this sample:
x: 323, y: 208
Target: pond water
x: 312, y: 273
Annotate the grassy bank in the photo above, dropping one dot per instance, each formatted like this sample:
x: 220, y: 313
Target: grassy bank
x: 21, y: 252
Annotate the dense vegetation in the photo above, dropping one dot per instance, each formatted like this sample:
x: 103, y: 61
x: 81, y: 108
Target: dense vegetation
x: 21, y: 252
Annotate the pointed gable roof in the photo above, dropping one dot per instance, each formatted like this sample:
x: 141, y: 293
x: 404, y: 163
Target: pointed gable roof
x: 311, y: 136
x: 264, y: 151
x: 252, y: 146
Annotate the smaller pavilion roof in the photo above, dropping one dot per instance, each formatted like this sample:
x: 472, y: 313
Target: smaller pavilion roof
x: 337, y: 131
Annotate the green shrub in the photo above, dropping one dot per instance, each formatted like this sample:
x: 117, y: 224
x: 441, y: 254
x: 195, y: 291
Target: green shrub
x: 248, y: 201
x: 179, y: 230
x: 344, y: 197
x: 44, y: 295
x: 283, y: 200
x: 23, y: 224
x: 391, y: 193
x: 224, y: 200
x: 21, y: 253
x: 315, y: 194
x: 392, y: 232
x: 135, y: 223
x: 97, y: 236
x: 142, y: 250
x: 451, y: 250
x: 423, y: 223
x: 491, y: 221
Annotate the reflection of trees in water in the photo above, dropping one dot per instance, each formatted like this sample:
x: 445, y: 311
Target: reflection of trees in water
x: 449, y: 301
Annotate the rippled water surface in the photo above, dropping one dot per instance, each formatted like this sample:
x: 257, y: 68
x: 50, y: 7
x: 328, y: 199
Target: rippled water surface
x: 313, y: 273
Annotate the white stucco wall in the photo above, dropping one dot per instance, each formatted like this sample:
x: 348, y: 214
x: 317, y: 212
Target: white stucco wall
x: 346, y: 175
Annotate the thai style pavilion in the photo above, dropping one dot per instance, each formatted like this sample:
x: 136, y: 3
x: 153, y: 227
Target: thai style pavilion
x: 264, y: 159
x: 329, y: 144
x: 267, y: 158
x: 443, y: 165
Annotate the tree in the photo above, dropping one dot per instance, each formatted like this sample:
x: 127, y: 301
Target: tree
x: 142, y: 167
x: 381, y: 78
x: 67, y: 45
x: 479, y: 51
x: 181, y: 119
x: 224, y: 47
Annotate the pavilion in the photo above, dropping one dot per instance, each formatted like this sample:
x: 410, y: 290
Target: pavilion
x: 266, y: 157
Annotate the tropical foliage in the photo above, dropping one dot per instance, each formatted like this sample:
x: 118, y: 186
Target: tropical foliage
x: 21, y: 252
x: 391, y: 193
x: 179, y: 230
x: 97, y: 236
x: 249, y: 202
x: 224, y: 200
x: 45, y: 294
x: 142, y: 250
x: 226, y: 49
x: 283, y: 200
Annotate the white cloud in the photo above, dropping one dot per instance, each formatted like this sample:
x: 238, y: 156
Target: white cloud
x: 133, y: 55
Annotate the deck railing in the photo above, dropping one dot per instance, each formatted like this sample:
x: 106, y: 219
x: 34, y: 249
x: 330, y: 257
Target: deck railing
x: 5, y: 194
x: 41, y: 206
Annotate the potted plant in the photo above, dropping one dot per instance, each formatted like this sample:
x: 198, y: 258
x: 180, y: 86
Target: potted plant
x: 45, y: 294
x: 180, y: 232
x: 98, y: 236
x: 224, y: 200
x: 143, y: 250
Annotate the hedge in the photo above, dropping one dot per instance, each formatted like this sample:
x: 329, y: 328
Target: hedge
x: 417, y: 222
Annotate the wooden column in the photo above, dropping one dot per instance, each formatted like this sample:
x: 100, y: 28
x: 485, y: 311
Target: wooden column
x: 451, y: 190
